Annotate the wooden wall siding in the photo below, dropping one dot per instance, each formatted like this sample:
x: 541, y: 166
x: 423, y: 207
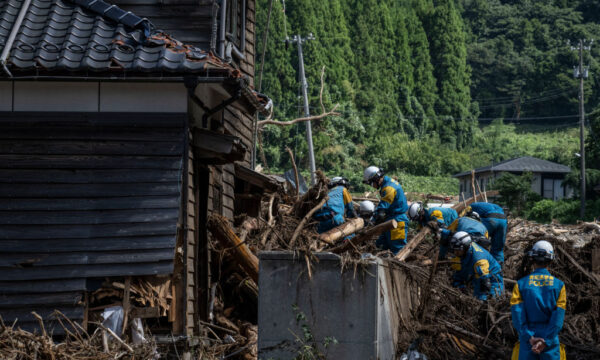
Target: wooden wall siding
x: 189, y: 23
x: 85, y: 196
x: 191, y: 248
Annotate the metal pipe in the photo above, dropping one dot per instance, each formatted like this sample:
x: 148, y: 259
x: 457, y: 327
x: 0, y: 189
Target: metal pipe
x: 13, y: 34
x: 240, y: 53
x: 222, y: 29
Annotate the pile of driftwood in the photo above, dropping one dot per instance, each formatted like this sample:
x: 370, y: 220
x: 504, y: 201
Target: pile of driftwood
x: 450, y: 323
x: 103, y: 344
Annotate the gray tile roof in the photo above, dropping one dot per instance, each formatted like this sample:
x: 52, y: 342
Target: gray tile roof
x: 522, y: 164
x: 93, y: 36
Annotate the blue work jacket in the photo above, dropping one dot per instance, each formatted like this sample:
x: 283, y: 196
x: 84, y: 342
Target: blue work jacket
x: 484, y: 208
x: 445, y: 216
x: 392, y: 199
x: 335, y: 210
x: 478, y: 265
x: 538, y: 306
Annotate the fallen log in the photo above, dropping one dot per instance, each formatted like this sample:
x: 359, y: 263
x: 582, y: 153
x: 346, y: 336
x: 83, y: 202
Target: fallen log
x: 220, y: 228
x: 365, y: 235
x: 413, y: 243
x: 349, y: 227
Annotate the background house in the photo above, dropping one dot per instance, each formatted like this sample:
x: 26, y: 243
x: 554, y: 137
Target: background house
x: 117, y: 140
x: 547, y: 177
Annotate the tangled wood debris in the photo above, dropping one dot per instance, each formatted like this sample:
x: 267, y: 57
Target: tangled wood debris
x: 457, y: 324
x: 449, y: 323
x: 17, y: 344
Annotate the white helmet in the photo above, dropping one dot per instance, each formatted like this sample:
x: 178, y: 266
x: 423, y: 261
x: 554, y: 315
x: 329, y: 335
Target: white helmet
x: 542, y: 251
x: 460, y: 241
x: 372, y: 173
x: 366, y: 208
x: 414, y: 211
x: 338, y: 181
x: 474, y: 215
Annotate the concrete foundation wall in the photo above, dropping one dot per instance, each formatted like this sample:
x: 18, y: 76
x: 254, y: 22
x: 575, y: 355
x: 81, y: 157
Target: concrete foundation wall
x: 362, y: 308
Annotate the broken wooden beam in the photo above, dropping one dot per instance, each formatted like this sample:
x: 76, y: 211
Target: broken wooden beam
x: 220, y: 228
x: 305, y: 220
x: 365, y: 235
x: 348, y: 228
x: 595, y: 278
x: 413, y: 243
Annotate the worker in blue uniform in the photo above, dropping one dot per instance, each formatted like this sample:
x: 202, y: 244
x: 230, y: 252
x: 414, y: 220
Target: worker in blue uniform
x: 474, y: 228
x: 444, y: 216
x: 493, y: 218
x: 537, y: 306
x: 475, y: 264
x: 338, y: 207
x: 392, y: 206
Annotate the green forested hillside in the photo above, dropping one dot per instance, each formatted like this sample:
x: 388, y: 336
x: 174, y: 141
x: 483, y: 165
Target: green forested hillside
x: 424, y: 85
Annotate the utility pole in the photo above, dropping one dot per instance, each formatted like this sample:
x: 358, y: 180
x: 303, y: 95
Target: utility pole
x: 304, y: 85
x: 580, y: 72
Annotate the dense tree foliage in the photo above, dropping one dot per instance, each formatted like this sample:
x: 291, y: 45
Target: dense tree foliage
x: 420, y: 81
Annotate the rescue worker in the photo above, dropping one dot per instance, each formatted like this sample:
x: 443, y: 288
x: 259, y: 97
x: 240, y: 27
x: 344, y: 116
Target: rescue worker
x: 538, y: 306
x: 474, y: 228
x: 337, y: 208
x: 366, y: 210
x: 443, y: 215
x: 475, y: 264
x: 392, y: 205
x: 493, y: 218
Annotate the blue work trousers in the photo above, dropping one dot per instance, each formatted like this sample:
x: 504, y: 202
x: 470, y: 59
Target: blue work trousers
x: 497, y: 288
x: 395, y: 239
x: 327, y: 225
x: 522, y: 351
x: 497, y: 233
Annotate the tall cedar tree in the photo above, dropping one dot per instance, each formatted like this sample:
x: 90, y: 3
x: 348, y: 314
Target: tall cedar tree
x: 449, y: 57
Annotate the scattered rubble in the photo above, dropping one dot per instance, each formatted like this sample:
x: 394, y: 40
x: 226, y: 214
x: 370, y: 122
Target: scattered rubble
x: 17, y: 344
x: 451, y: 323
x: 446, y: 323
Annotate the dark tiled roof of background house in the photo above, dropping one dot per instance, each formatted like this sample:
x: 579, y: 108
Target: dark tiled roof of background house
x: 522, y: 164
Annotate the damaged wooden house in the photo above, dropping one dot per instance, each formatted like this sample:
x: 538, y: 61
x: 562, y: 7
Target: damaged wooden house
x: 123, y: 125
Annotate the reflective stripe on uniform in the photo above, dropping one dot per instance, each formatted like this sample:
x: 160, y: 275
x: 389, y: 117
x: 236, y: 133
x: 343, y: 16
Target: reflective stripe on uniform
x: 455, y: 264
x: 399, y: 232
x: 437, y: 214
x: 388, y: 194
x: 482, y: 268
x: 562, y: 299
x: 453, y: 226
x: 516, y: 298
x: 515, y: 352
x: 347, y: 196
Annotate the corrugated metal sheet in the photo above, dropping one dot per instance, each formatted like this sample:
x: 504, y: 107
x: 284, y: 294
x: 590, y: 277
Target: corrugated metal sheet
x: 84, y: 197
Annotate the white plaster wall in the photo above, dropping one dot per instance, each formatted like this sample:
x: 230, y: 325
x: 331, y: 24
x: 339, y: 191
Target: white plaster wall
x: 55, y: 96
x: 143, y: 97
x: 65, y: 96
